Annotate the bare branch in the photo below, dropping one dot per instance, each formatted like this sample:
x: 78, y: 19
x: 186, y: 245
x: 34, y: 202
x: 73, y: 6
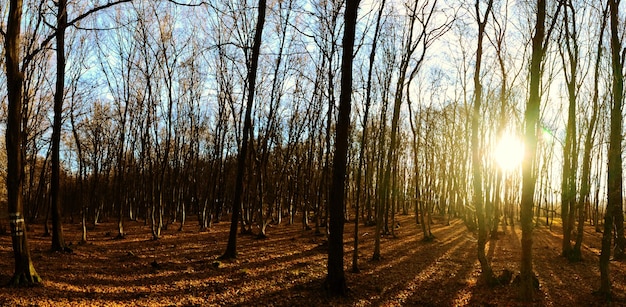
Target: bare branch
x: 43, y: 46
x: 94, y: 10
x: 201, y: 3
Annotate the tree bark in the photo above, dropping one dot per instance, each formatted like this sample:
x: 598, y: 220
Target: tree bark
x: 478, y: 199
x: 614, y: 179
x: 368, y: 101
x: 585, y: 187
x: 25, y: 273
x: 231, y: 247
x: 570, y: 150
x: 531, y: 118
x: 58, y: 242
x: 336, y: 280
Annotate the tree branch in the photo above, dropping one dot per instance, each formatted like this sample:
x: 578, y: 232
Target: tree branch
x: 29, y: 57
x: 201, y: 3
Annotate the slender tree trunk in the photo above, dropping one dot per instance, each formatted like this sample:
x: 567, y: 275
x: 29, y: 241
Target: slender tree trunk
x: 614, y: 180
x: 570, y: 150
x: 368, y: 101
x: 336, y: 280
x: 478, y: 199
x: 25, y: 273
x: 231, y: 247
x: 585, y: 188
x: 81, y: 176
x: 384, y: 186
x: 58, y: 242
x: 531, y: 118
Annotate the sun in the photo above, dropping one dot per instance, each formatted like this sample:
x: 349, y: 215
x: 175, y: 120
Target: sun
x: 509, y: 152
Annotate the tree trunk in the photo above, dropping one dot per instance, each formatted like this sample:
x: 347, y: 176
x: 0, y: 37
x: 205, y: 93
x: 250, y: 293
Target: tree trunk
x: 487, y: 273
x: 368, y: 100
x: 58, y: 242
x: 531, y: 118
x: 384, y: 186
x: 614, y: 179
x: 336, y: 281
x: 25, y: 273
x: 81, y: 176
x: 570, y: 150
x: 585, y: 188
x: 231, y: 247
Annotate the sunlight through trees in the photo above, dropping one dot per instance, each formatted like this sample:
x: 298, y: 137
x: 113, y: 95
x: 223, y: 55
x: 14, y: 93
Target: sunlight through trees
x: 499, y: 116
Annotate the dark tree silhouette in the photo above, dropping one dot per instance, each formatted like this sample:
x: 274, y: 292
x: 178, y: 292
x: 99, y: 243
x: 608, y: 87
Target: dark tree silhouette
x: 231, y: 248
x: 477, y: 167
x: 531, y: 118
x: 25, y: 273
x: 336, y: 280
x: 368, y: 102
x: 570, y: 150
x: 58, y: 241
x: 614, y: 180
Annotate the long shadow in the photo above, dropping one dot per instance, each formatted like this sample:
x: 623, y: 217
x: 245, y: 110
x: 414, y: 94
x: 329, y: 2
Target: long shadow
x: 398, y: 284
x: 447, y: 276
x: 296, y: 270
x: 574, y: 282
x: 393, y: 278
x: 141, y: 273
x: 397, y: 257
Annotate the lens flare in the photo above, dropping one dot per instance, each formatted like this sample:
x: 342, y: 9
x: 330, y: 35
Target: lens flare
x: 509, y: 152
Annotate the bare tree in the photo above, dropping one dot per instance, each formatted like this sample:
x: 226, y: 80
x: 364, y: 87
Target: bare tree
x: 531, y: 117
x: 477, y: 167
x: 58, y: 241
x: 231, y: 248
x: 614, y: 180
x: 590, y: 135
x: 364, y: 136
x: 409, y: 48
x: 25, y: 273
x: 570, y: 54
x: 335, y: 280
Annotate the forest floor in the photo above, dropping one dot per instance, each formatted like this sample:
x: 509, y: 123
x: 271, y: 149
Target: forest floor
x: 288, y: 268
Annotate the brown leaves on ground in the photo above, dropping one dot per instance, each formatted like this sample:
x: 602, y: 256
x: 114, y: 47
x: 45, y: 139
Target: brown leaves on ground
x: 288, y: 269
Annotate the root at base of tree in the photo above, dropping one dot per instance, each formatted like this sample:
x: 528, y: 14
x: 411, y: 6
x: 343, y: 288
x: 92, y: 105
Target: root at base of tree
x: 518, y: 280
x: 335, y: 289
x: 504, y: 278
x: 25, y: 279
x: 574, y: 256
x: 428, y: 238
x: 228, y: 256
x: 606, y: 296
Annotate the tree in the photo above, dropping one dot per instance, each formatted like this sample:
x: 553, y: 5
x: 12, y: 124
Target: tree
x: 58, y: 241
x: 25, y: 273
x: 422, y: 14
x: 231, y: 248
x: 477, y: 167
x: 498, y: 42
x: 615, y: 182
x: 585, y: 186
x: 268, y: 137
x: 570, y: 149
x: 336, y: 280
x: 531, y: 119
x: 364, y: 136
x: 614, y: 179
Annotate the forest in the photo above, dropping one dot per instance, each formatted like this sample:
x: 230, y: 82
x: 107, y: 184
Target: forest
x: 317, y: 152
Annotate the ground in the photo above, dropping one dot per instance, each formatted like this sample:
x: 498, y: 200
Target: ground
x: 288, y: 269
